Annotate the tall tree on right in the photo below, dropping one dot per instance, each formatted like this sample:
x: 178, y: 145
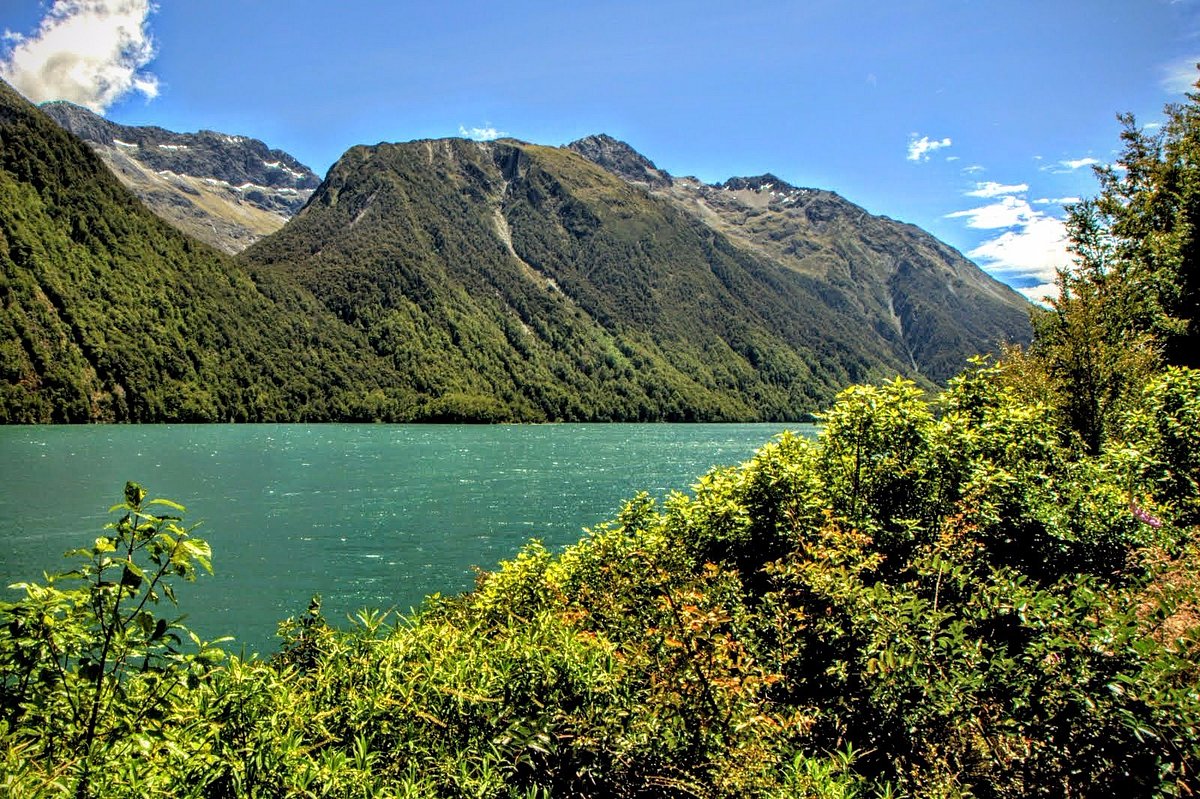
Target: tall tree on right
x: 1128, y: 305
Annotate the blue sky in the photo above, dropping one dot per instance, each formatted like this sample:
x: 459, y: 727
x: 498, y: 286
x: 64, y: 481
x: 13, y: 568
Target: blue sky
x: 975, y: 120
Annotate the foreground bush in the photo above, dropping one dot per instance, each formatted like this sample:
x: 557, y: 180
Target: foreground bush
x: 932, y: 599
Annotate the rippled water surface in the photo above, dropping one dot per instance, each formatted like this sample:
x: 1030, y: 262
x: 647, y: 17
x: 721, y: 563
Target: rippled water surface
x: 366, y: 515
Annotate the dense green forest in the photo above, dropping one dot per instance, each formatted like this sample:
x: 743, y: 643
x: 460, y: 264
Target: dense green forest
x: 110, y: 314
x: 533, y: 281
x: 992, y: 593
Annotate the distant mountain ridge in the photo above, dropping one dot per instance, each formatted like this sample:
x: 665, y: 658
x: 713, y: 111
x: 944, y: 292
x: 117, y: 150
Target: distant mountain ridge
x: 228, y: 191
x: 937, y: 306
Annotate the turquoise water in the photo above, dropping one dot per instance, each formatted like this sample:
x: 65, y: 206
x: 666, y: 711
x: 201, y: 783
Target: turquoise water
x: 366, y: 515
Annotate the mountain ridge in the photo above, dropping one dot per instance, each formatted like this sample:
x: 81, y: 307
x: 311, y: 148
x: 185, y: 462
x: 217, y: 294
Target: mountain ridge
x: 226, y: 190
x: 443, y: 280
x: 631, y: 261
x: 939, y: 303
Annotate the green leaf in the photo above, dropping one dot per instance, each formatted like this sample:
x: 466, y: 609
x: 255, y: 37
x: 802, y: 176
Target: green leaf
x: 160, y: 629
x: 134, y: 494
x: 145, y: 622
x: 131, y: 577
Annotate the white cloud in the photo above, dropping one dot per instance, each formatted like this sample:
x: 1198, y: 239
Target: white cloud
x: 1179, y: 76
x: 1006, y: 212
x: 1056, y: 201
x: 1068, y: 165
x: 994, y: 189
x: 1027, y: 256
x: 973, y: 169
x: 1078, y: 163
x: 480, y: 134
x: 919, y: 149
x: 87, y: 51
x: 1032, y: 245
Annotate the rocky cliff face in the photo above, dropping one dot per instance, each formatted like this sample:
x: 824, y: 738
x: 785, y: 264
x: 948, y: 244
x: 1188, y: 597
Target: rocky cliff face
x: 927, y: 299
x: 621, y: 159
x: 228, y: 191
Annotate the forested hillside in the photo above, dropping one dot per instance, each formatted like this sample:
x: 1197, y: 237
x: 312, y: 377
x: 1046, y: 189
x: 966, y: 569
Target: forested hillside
x: 921, y: 298
x: 110, y: 314
x: 446, y: 281
x: 525, y: 281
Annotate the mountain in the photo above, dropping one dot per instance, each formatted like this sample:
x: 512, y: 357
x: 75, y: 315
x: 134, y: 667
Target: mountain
x: 622, y: 160
x: 540, y: 280
x: 110, y: 314
x: 452, y: 280
x: 934, y: 307
x: 228, y: 191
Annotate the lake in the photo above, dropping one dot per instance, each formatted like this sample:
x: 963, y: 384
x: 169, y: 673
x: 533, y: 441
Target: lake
x: 366, y: 515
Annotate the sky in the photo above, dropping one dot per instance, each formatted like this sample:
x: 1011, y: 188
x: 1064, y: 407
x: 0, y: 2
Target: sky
x: 976, y: 120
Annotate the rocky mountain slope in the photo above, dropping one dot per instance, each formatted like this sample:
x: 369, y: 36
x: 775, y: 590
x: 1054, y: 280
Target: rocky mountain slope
x: 931, y: 303
x: 228, y: 191
x: 107, y: 313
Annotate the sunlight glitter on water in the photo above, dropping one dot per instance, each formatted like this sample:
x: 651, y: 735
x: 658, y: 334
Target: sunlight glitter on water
x: 293, y: 510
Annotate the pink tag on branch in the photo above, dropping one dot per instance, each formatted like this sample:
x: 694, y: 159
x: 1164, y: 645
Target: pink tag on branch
x: 1144, y: 516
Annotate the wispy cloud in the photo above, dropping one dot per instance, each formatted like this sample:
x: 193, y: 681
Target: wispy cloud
x: 1056, y: 201
x: 1068, y: 165
x: 1179, y: 76
x: 1006, y: 212
x: 90, y: 52
x: 486, y: 133
x: 1029, y: 245
x: 919, y: 149
x: 993, y: 189
x: 1078, y: 163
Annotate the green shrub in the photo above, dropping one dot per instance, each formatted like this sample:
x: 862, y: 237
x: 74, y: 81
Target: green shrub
x: 89, y: 671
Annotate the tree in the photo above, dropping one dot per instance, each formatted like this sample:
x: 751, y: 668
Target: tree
x: 1128, y: 305
x: 1141, y: 230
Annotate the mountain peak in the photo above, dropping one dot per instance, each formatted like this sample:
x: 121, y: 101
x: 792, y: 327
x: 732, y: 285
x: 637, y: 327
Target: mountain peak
x: 622, y: 160
x: 763, y: 182
x: 204, y: 154
x: 226, y: 190
x: 81, y: 121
